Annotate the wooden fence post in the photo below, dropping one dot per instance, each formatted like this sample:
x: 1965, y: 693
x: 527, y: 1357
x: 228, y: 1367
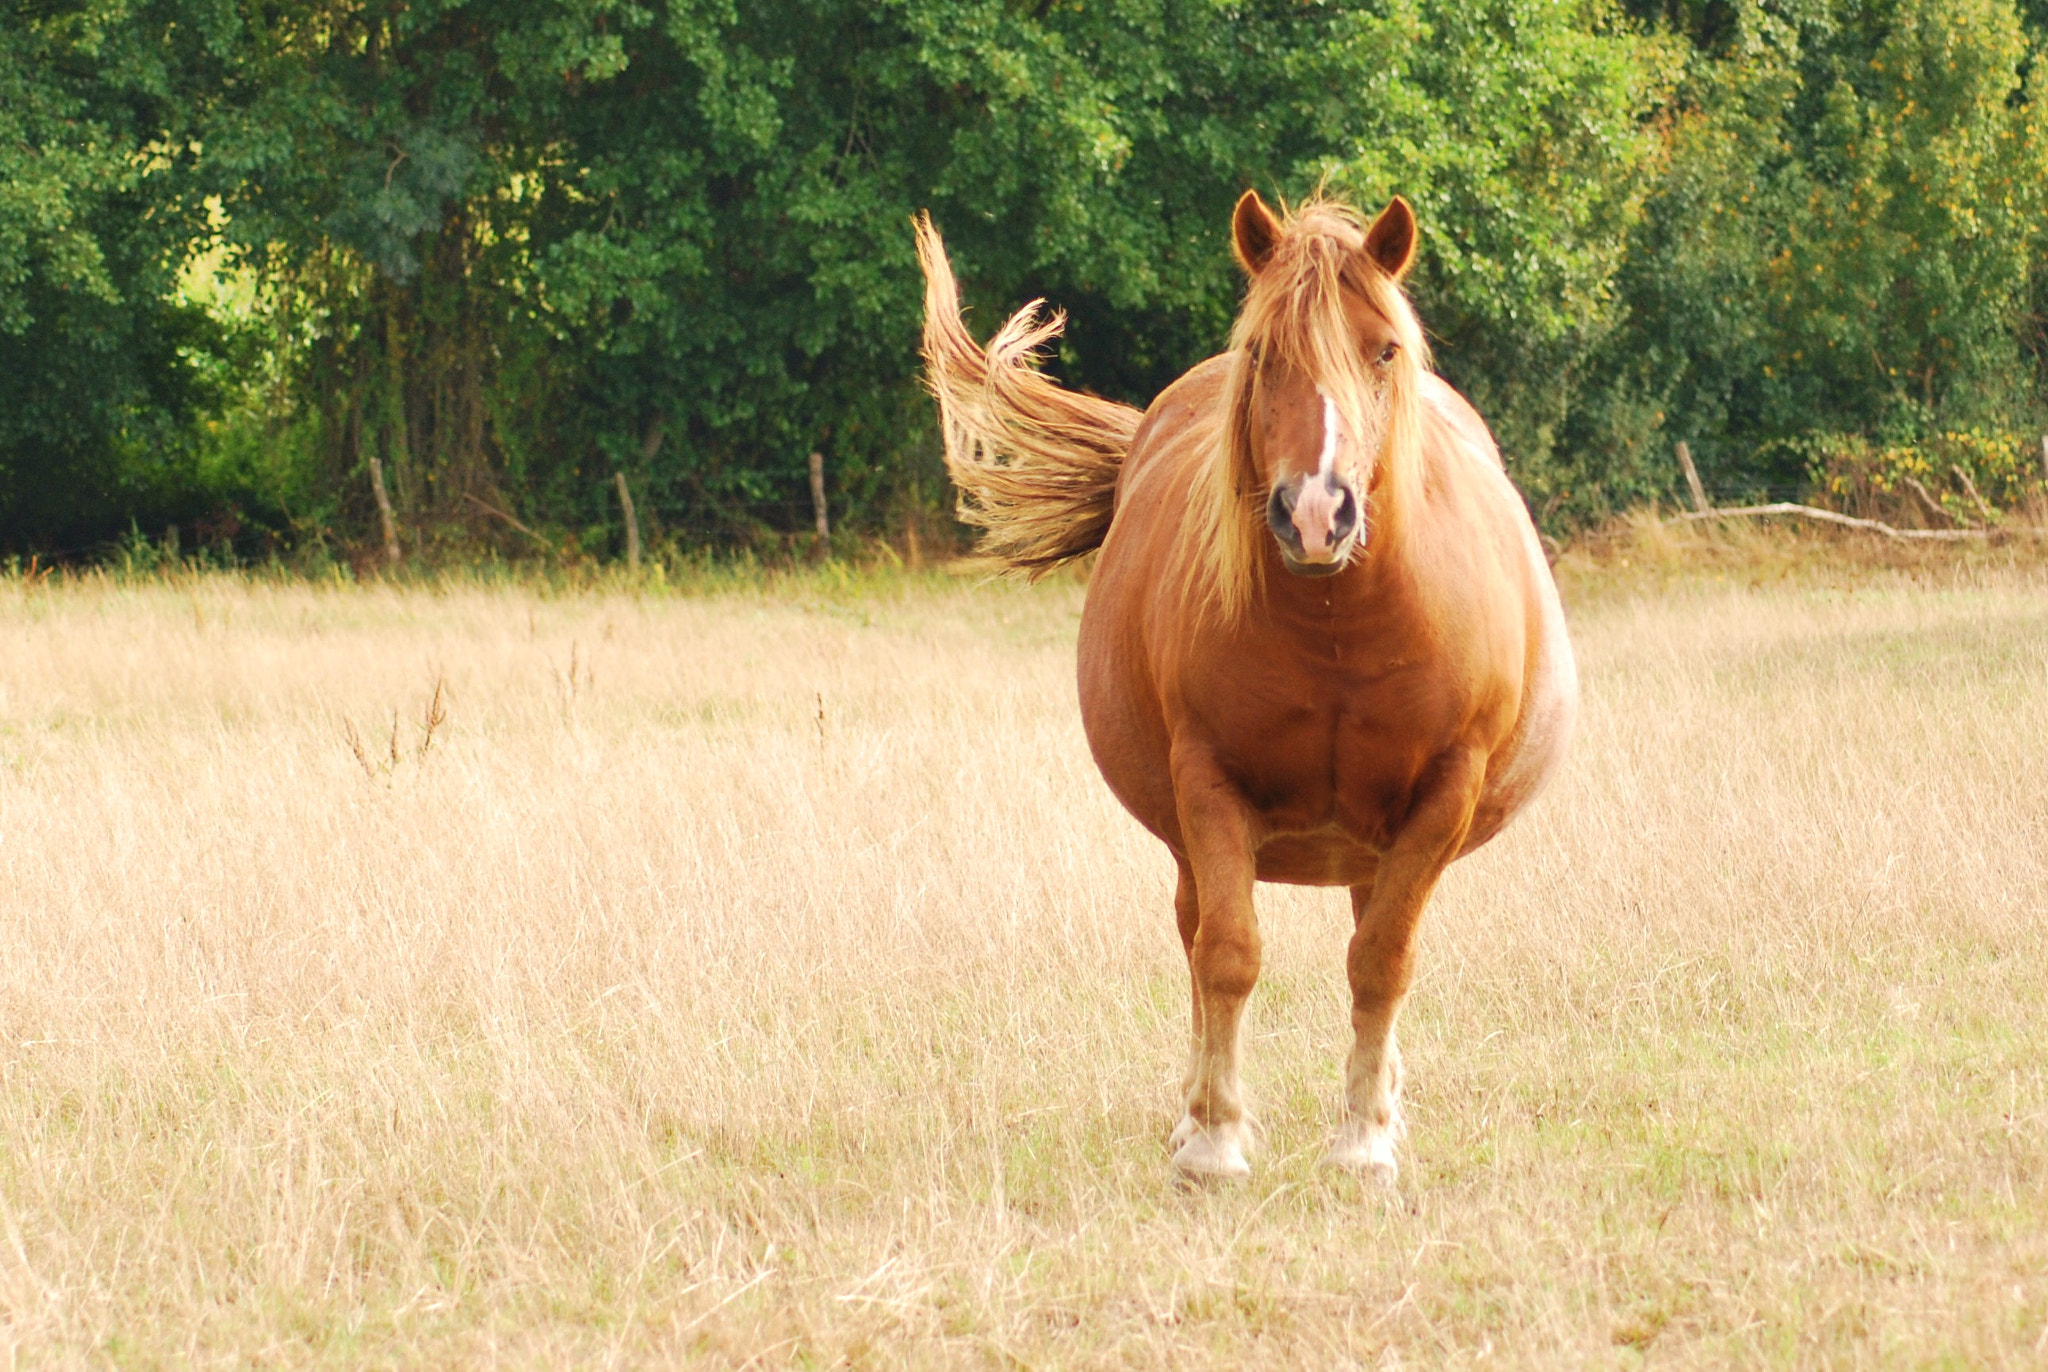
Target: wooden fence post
x: 818, y: 502
x: 2044, y: 457
x: 384, y: 516
x: 1692, y: 478
x: 632, y: 523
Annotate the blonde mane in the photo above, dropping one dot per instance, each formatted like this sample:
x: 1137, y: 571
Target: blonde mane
x: 1294, y: 312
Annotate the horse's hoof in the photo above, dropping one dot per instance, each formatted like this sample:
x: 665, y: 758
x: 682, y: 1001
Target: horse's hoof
x: 1208, y: 1155
x: 1366, y: 1154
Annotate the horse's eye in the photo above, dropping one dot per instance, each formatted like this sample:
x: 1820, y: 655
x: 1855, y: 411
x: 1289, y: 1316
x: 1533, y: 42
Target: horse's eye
x: 1387, y: 354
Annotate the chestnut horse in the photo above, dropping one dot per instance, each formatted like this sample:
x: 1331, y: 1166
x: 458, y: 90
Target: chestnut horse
x: 1321, y: 642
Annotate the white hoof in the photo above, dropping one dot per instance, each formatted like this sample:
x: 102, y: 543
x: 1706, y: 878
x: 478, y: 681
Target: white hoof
x: 1209, y: 1153
x: 1365, y: 1151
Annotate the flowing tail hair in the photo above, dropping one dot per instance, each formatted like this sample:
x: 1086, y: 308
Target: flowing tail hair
x: 1035, y: 464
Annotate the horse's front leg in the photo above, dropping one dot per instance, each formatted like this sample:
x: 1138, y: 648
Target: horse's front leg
x: 1187, y: 917
x: 1221, y: 934
x: 1380, y: 961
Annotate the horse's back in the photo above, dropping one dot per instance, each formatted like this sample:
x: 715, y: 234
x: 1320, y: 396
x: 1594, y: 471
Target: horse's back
x: 1176, y: 429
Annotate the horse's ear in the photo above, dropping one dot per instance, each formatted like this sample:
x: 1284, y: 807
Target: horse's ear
x: 1391, y: 239
x: 1253, y: 233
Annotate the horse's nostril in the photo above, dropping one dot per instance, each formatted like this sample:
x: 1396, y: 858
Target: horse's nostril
x: 1347, y: 515
x: 1280, y: 511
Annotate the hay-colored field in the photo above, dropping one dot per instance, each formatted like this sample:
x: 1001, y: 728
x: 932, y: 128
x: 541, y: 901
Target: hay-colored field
x: 764, y: 976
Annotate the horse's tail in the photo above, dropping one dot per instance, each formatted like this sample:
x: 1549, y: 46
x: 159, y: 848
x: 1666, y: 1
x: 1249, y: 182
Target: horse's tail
x: 1035, y: 464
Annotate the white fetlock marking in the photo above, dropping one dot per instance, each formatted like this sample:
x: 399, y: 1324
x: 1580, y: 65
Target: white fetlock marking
x: 1367, y: 1150
x: 1200, y: 1152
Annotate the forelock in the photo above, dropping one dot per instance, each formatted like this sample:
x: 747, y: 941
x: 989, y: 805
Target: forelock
x: 1294, y: 311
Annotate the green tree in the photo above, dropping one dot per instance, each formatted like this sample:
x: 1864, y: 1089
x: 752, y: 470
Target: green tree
x: 1844, y: 241
x: 1522, y: 132
x: 751, y: 175
x: 104, y: 374
x: 737, y: 264
x: 1894, y: 299
x: 500, y: 254
x: 383, y: 167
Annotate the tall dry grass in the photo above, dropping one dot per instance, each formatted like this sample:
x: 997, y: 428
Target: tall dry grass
x: 767, y: 978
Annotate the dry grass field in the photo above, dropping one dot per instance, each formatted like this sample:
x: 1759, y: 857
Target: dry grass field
x: 762, y: 976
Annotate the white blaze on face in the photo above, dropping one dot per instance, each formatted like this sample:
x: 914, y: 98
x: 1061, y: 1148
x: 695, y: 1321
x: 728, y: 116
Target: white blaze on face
x: 1333, y: 433
x: 1315, y: 512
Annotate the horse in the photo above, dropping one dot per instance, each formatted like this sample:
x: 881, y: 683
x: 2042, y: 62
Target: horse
x: 1321, y: 643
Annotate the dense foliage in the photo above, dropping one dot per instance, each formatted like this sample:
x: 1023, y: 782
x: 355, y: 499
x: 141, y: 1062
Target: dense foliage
x: 250, y: 251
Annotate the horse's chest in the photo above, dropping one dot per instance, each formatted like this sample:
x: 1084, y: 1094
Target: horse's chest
x: 1334, y: 751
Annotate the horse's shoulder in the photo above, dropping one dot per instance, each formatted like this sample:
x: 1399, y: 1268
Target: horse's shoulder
x: 1456, y: 414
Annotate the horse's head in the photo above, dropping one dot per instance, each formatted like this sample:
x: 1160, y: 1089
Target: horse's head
x: 1327, y: 349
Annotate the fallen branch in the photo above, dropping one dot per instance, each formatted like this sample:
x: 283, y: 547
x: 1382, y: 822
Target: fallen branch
x: 1934, y: 509
x: 1875, y: 526
x: 1970, y: 489
x: 494, y: 511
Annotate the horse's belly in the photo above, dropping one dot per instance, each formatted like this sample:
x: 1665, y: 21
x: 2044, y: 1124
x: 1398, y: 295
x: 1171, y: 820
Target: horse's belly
x: 1120, y: 712
x: 1550, y: 708
x: 1330, y: 858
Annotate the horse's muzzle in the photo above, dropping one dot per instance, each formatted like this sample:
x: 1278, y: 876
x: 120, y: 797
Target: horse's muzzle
x: 1315, y: 517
